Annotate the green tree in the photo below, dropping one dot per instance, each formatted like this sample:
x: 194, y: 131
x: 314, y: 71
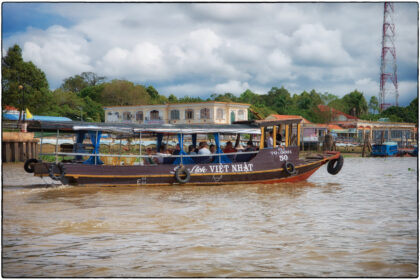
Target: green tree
x: 20, y: 78
x: 121, y: 92
x: 153, y: 93
x: 355, y: 103
x: 327, y: 98
x: 78, y: 82
x: 278, y: 99
x: 93, y: 92
x: 374, y: 104
x: 172, y: 99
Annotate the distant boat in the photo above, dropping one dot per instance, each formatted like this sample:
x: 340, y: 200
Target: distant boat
x: 386, y: 149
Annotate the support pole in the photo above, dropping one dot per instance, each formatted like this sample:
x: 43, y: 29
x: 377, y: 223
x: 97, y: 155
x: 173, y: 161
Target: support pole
x: 286, y: 136
x: 274, y: 136
x: 56, y: 147
x: 262, y: 139
x: 298, y: 135
x: 140, y: 162
x: 96, y: 142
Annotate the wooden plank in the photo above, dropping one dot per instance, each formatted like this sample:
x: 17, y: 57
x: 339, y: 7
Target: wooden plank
x: 15, y: 151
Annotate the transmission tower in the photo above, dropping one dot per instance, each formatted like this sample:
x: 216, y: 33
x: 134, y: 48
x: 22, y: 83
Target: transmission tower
x: 388, y: 58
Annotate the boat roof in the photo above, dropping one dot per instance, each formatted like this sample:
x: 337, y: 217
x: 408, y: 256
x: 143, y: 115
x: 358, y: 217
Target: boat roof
x: 246, y: 127
x: 131, y: 129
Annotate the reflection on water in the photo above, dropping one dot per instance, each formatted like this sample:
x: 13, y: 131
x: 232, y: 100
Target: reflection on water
x: 359, y: 223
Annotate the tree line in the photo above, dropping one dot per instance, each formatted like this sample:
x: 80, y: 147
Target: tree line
x: 83, y: 96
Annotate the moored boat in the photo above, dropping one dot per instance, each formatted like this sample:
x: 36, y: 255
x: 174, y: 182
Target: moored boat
x: 266, y: 159
x: 386, y: 149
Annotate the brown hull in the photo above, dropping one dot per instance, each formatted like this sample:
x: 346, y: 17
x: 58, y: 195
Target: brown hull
x: 266, y: 167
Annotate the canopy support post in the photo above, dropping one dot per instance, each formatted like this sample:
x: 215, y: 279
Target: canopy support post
x: 262, y: 138
x: 56, y: 147
x: 140, y: 161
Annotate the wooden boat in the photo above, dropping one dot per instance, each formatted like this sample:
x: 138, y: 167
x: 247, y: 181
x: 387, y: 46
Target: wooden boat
x: 386, y: 149
x: 258, y: 164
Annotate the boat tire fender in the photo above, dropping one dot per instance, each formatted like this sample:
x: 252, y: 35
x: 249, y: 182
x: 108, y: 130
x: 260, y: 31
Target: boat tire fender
x: 289, y: 168
x: 51, y: 172
x: 182, y: 175
x: 29, y: 165
x: 334, y: 166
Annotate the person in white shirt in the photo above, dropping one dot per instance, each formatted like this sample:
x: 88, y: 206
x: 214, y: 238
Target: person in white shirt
x: 203, y: 149
x: 162, y: 153
x: 269, y: 140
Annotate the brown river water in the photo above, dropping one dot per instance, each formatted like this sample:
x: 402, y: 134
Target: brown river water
x: 359, y: 223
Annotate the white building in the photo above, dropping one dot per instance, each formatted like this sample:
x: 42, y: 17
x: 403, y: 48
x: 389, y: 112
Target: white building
x: 212, y: 112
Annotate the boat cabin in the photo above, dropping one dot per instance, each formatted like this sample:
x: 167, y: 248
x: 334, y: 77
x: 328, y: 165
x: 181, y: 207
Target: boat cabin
x: 136, y: 144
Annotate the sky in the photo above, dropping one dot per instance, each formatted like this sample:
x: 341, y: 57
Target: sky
x: 197, y: 49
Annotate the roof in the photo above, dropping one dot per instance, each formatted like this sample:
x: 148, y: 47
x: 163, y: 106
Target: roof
x: 10, y: 108
x: 334, y: 126
x: 287, y: 117
x: 15, y: 117
x: 189, y: 103
x: 134, y: 129
x: 324, y: 108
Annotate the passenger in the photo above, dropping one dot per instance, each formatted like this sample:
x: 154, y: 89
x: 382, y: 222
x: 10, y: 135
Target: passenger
x: 203, y: 149
x: 149, y: 159
x: 278, y: 139
x: 239, y: 147
x: 191, y: 150
x: 162, y: 153
x: 212, y: 149
x: 246, y: 157
x: 270, y: 140
x: 250, y: 146
x: 170, y: 160
x: 229, y: 148
x: 177, y: 150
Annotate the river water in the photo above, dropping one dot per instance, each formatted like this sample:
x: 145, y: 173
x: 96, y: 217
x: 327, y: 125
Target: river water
x: 359, y: 223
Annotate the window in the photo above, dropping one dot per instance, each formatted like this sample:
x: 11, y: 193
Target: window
x: 241, y: 115
x: 396, y: 133
x: 175, y: 115
x: 205, y: 113
x: 220, y: 114
x: 117, y: 114
x: 189, y: 114
x: 127, y: 116
x: 232, y: 116
x: 109, y: 113
x: 139, y: 116
x: 154, y: 115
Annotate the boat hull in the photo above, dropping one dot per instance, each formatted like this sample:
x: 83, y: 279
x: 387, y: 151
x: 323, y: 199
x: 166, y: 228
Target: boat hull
x: 267, y: 167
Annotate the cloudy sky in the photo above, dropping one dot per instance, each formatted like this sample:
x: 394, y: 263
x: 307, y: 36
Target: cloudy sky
x: 199, y: 49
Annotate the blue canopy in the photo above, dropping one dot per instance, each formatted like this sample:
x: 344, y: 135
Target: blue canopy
x: 15, y: 117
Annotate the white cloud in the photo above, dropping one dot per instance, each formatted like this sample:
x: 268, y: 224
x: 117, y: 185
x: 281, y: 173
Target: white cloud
x: 232, y: 86
x: 202, y: 47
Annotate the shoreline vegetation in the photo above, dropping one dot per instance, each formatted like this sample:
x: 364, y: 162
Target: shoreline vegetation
x: 83, y: 96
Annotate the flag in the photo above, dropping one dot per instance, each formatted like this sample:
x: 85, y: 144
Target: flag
x: 28, y: 114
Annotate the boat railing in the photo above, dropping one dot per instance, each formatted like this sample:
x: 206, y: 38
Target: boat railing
x: 229, y: 155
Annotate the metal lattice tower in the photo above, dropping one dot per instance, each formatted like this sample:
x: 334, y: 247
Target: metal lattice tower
x: 388, y: 57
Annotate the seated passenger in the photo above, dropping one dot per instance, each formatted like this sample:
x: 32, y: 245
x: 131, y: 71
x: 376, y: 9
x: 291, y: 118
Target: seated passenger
x: 203, y: 150
x: 175, y: 152
x: 250, y: 146
x: 247, y: 157
x: 229, y: 148
x: 191, y: 150
x: 162, y: 153
x: 212, y: 149
x: 149, y: 160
